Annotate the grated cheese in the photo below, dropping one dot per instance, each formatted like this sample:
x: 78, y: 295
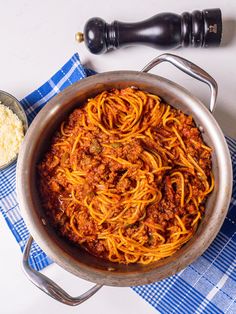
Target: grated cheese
x: 11, y: 135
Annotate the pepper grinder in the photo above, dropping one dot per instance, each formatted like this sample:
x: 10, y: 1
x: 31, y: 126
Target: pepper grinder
x: 162, y: 31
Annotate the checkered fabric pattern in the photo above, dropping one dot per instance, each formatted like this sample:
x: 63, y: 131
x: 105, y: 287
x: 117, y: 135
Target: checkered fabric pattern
x: 206, y: 286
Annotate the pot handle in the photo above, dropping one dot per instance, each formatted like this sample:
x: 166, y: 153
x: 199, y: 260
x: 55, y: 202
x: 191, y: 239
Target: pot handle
x: 48, y: 286
x: 190, y: 69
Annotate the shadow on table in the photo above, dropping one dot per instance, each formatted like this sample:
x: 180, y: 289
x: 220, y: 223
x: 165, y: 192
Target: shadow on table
x: 229, y: 32
x: 225, y: 119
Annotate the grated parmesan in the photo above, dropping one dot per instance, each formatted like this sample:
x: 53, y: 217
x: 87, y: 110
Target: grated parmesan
x: 11, y: 135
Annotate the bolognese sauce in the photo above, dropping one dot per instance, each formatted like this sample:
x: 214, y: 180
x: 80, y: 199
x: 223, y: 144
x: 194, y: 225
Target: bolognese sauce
x: 126, y: 177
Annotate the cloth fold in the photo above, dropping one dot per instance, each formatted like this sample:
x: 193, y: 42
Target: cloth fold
x: 206, y: 286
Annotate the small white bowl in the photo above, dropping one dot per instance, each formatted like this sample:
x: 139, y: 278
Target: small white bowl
x: 12, y: 103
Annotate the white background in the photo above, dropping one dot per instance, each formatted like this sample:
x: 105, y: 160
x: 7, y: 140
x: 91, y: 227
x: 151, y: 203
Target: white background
x: 36, y: 38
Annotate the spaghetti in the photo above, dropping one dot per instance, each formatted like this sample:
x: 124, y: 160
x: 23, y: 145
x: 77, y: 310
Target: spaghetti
x: 126, y: 177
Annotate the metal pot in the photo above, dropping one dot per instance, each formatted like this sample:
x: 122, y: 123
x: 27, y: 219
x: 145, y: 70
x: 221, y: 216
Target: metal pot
x: 83, y: 264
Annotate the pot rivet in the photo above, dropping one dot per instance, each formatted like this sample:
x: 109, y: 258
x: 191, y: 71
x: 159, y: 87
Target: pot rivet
x: 44, y: 221
x: 201, y: 128
x: 110, y: 268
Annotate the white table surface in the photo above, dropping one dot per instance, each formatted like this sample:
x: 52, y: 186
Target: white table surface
x: 37, y: 37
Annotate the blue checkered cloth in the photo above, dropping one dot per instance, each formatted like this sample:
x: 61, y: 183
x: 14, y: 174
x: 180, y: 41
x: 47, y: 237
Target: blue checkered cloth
x: 206, y: 286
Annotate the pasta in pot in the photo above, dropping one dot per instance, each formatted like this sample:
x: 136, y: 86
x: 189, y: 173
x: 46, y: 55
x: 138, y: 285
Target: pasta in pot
x: 126, y: 177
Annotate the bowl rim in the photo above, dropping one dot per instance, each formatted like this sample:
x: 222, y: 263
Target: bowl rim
x: 24, y: 122
x: 111, y: 278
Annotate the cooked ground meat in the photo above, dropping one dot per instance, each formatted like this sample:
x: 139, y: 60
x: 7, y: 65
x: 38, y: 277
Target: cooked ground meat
x: 126, y: 177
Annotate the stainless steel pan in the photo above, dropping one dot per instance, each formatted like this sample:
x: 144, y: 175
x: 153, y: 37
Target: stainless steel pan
x: 83, y: 264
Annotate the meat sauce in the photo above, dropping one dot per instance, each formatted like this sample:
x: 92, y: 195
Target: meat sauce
x: 88, y: 179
